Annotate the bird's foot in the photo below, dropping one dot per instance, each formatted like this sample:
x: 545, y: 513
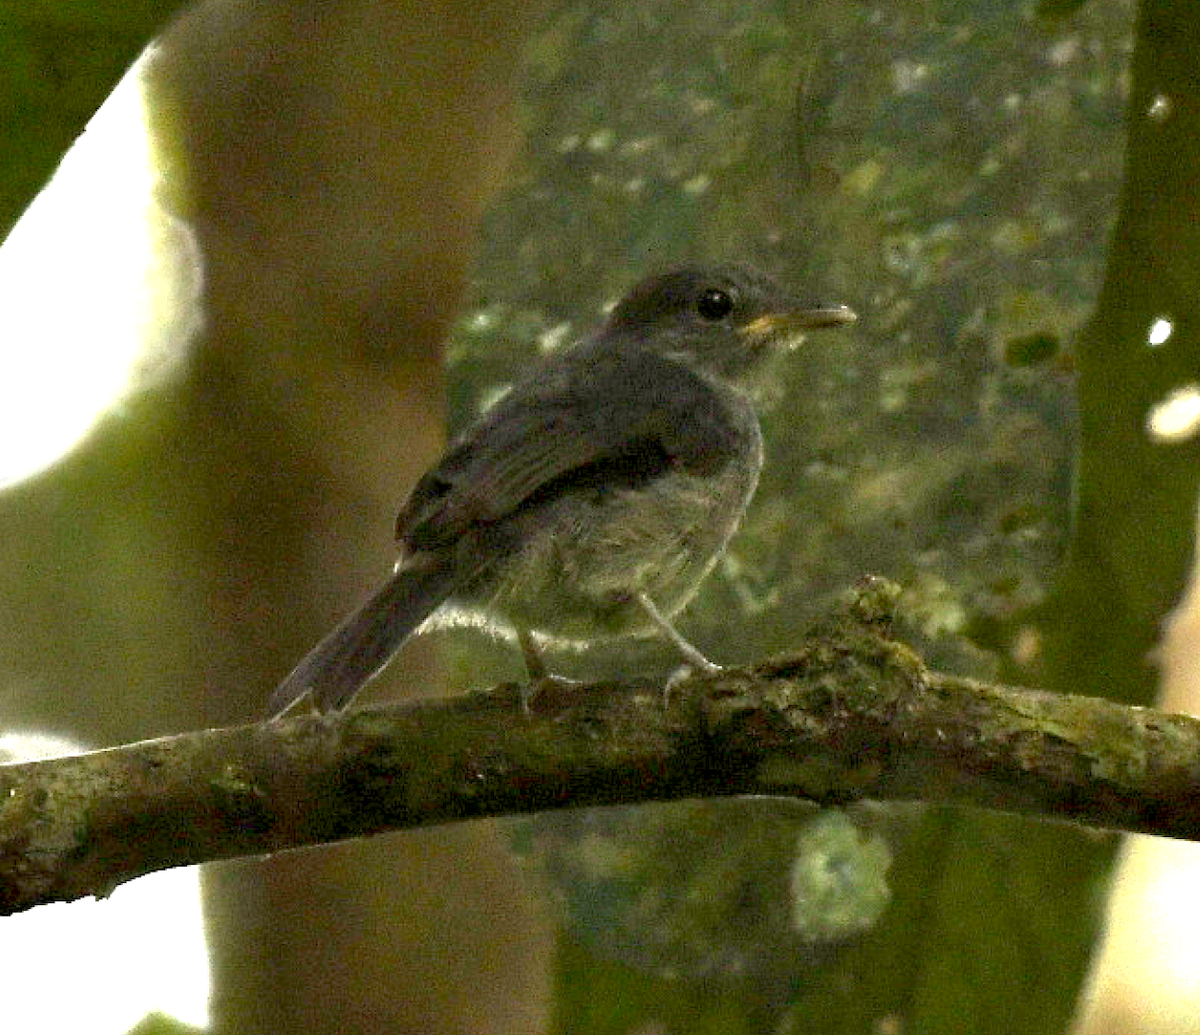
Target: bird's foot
x: 550, y: 692
x: 685, y: 672
x: 690, y: 652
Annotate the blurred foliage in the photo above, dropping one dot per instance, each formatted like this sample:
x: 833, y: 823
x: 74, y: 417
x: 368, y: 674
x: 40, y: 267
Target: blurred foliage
x: 1133, y: 541
x: 59, y: 59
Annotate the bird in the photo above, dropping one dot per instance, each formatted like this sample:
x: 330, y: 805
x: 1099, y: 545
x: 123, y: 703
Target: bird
x: 592, y: 499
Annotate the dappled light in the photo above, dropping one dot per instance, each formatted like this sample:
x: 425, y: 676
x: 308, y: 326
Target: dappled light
x: 99, y: 289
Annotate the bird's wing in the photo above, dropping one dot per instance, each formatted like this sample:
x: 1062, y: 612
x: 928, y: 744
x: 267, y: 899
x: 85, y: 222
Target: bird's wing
x: 601, y: 419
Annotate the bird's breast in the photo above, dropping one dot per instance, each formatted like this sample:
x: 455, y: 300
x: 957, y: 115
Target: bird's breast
x: 580, y: 558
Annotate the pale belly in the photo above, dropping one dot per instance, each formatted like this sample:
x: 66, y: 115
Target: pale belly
x: 585, y: 559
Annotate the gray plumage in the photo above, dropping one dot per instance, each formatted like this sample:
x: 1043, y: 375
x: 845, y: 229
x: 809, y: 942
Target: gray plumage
x: 594, y: 497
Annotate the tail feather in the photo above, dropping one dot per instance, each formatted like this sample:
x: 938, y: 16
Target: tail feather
x: 345, y: 660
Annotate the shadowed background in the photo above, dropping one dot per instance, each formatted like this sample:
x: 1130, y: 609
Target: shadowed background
x: 955, y: 173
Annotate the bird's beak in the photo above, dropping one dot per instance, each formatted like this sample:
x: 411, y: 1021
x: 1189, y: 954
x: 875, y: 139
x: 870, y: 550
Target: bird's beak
x: 789, y: 324
x: 823, y: 316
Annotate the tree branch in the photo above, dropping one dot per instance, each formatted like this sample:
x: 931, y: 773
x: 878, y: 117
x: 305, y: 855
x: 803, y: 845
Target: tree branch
x: 852, y: 714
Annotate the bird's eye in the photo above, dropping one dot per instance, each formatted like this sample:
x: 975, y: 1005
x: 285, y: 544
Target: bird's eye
x: 714, y: 304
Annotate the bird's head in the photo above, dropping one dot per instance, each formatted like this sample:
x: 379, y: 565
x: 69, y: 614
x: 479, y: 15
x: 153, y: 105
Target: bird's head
x: 724, y: 320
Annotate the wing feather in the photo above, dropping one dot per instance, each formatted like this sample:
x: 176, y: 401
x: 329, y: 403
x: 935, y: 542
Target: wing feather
x: 636, y: 411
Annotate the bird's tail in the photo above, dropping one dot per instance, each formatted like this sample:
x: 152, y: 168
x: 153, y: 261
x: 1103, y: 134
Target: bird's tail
x: 338, y: 667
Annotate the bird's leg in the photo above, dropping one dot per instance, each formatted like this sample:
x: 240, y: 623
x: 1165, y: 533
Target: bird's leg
x: 534, y: 664
x: 541, y: 680
x: 305, y: 704
x: 691, y: 653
